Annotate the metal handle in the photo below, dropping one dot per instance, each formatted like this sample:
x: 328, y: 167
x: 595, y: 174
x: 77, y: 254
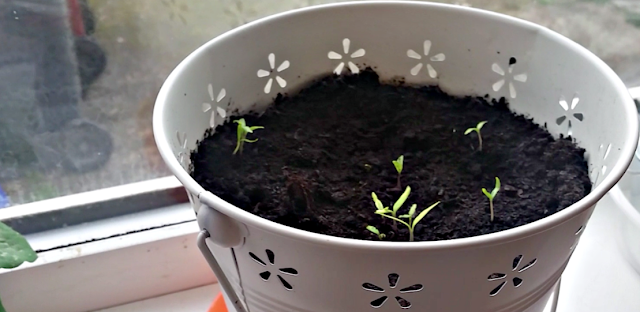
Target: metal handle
x: 217, y: 270
x: 635, y: 94
x: 556, y: 295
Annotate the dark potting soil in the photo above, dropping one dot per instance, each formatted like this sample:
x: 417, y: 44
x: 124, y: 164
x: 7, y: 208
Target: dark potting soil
x: 323, y: 151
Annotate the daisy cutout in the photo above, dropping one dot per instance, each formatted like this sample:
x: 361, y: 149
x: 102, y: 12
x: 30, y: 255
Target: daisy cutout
x: 605, y: 153
x: 508, y: 77
x: 426, y: 49
x: 570, y: 113
x: 517, y: 279
x: 206, y: 107
x: 269, y: 270
x: 183, y: 151
x: 270, y: 73
x: 392, y: 292
x: 337, y: 56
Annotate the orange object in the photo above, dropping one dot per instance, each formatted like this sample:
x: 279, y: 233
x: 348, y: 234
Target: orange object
x: 218, y: 304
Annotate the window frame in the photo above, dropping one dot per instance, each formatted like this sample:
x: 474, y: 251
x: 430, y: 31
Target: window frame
x: 95, y: 205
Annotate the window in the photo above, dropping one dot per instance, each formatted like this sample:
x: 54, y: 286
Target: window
x: 78, y: 80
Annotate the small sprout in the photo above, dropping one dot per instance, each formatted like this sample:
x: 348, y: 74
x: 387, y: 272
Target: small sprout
x: 374, y: 230
x: 492, y: 195
x: 412, y: 222
x: 367, y: 167
x: 398, y: 163
x: 381, y: 209
x: 243, y: 130
x: 477, y: 130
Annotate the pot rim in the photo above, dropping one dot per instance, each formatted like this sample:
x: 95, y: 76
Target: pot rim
x: 501, y: 237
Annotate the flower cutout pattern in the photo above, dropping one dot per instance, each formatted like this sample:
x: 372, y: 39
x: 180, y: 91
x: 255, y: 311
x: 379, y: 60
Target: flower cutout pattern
x: 206, y: 107
x: 578, y: 232
x: 508, y: 77
x: 603, y: 169
x: 393, y: 283
x: 517, y: 281
x: 195, y: 201
x: 569, y: 113
x: 183, y: 154
x: 337, y: 56
x: 426, y: 49
x: 262, y: 73
x: 266, y: 275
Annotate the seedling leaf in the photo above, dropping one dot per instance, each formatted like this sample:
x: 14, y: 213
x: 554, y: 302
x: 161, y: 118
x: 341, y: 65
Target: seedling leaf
x: 486, y: 193
x: 402, y: 199
x: 373, y: 229
x: 480, y: 125
x: 496, y: 189
x: 412, y: 210
x: 398, y: 164
x: 423, y: 214
x: 239, y: 132
x: 241, y: 122
x: 469, y: 131
x: 377, y: 202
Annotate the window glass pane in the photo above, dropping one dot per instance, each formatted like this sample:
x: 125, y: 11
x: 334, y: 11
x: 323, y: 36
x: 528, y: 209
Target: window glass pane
x: 78, y: 78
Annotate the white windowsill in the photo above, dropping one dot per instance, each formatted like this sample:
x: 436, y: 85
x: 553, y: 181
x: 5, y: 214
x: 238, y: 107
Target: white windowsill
x: 109, y: 268
x: 196, y: 299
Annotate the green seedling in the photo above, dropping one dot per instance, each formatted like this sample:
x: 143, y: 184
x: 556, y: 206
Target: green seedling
x: 243, y: 130
x: 382, y: 210
x: 398, y: 163
x: 492, y: 195
x: 374, y: 230
x: 477, y: 130
x: 412, y: 222
x: 14, y: 250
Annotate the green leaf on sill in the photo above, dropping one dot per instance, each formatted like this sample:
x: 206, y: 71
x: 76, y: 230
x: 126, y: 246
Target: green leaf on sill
x: 14, y: 249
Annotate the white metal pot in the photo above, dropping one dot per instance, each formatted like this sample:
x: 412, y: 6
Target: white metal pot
x: 264, y: 266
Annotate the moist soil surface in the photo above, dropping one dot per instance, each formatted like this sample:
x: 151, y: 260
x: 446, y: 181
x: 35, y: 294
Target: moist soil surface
x: 324, y: 150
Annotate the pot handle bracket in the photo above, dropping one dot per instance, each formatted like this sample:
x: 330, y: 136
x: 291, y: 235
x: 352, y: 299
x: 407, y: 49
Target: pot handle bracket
x: 225, y: 232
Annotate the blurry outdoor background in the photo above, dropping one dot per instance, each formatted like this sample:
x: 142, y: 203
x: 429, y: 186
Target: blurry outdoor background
x: 77, y: 87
